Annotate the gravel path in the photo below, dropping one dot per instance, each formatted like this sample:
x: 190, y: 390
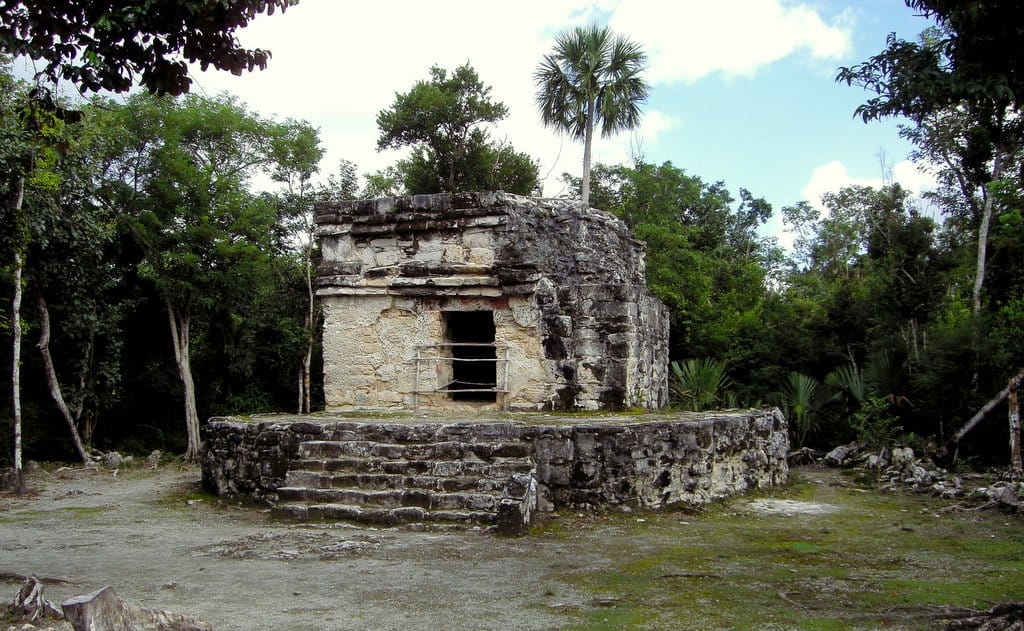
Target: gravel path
x: 238, y: 569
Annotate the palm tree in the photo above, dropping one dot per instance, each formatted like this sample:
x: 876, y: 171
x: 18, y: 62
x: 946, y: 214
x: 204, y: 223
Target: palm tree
x: 591, y: 76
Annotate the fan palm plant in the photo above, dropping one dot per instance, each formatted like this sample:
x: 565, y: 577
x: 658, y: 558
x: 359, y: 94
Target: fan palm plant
x: 799, y: 401
x: 700, y: 384
x: 591, y: 76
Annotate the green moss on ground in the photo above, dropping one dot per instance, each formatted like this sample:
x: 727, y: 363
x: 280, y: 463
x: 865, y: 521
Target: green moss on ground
x: 879, y: 560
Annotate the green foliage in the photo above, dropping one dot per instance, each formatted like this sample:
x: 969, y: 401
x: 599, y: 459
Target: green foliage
x: 591, y: 77
x: 444, y: 121
x: 850, y: 382
x: 799, y: 400
x: 103, y: 46
x: 971, y: 58
x: 875, y: 424
x: 699, y: 384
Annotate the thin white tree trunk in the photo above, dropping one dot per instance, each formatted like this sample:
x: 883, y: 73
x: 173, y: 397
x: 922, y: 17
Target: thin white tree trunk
x: 51, y: 378
x: 306, y: 363
x: 587, y: 143
x: 1016, y: 464
x: 986, y: 219
x: 180, y: 322
x: 305, y: 400
x: 19, y: 263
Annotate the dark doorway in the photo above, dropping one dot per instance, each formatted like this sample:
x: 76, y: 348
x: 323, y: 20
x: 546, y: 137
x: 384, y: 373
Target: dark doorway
x: 474, y: 365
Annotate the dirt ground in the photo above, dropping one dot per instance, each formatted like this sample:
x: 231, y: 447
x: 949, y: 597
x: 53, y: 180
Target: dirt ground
x: 825, y: 552
x: 237, y: 569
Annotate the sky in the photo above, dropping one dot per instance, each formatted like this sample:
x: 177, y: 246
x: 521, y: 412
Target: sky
x: 743, y: 91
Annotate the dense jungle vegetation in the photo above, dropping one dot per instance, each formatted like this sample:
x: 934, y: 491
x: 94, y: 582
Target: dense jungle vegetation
x: 154, y: 280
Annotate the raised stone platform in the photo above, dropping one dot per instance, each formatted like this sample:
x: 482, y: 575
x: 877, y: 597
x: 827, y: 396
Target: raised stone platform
x: 489, y: 470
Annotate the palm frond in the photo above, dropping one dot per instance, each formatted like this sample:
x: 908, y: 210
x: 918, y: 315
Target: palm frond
x: 849, y: 380
x: 699, y: 384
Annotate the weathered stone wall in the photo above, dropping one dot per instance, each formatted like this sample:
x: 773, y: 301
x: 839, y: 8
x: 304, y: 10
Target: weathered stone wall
x: 609, y: 462
x: 660, y: 463
x: 566, y: 288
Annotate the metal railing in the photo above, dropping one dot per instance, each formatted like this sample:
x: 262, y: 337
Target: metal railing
x: 441, y: 354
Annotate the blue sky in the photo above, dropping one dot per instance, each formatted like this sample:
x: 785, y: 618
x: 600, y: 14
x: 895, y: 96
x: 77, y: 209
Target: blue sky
x: 743, y: 90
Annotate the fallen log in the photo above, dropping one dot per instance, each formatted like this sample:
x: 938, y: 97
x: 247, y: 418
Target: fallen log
x: 1003, y: 617
x: 103, y: 610
x: 980, y: 414
x: 1009, y: 392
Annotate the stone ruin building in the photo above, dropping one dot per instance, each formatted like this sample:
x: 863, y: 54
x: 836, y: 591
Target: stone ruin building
x: 486, y: 299
x: 462, y: 306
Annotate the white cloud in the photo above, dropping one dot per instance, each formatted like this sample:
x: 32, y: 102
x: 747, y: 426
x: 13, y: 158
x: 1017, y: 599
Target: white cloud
x: 338, y: 64
x: 691, y: 39
x: 832, y: 176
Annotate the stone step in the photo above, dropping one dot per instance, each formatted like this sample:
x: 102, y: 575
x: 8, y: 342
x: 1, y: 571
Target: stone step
x: 498, y: 468
x: 401, y: 516
x: 328, y: 480
x: 391, y: 498
x: 443, y: 450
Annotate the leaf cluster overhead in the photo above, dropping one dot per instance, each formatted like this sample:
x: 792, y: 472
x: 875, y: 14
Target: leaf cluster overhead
x: 105, y: 44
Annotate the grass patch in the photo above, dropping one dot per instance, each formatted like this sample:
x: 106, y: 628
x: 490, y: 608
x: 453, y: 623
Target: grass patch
x: 195, y: 496
x: 878, y: 560
x: 184, y: 494
x: 83, y: 511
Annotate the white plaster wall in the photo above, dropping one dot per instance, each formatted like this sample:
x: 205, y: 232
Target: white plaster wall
x: 370, y: 352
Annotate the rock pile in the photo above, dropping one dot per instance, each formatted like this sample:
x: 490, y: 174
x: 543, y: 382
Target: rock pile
x: 899, y: 468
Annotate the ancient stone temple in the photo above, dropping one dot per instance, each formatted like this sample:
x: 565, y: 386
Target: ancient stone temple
x: 488, y: 300
x: 447, y: 310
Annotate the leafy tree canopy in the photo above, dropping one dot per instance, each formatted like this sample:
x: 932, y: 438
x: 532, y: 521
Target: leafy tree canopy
x: 973, y: 58
x: 103, y: 45
x: 443, y: 120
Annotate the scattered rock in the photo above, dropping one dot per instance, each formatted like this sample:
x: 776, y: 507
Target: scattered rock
x: 1003, y: 495
x: 103, y: 609
x: 876, y: 462
x: 112, y: 459
x: 153, y: 459
x: 802, y: 456
x: 902, y: 456
x: 901, y: 469
x: 842, y: 455
x: 8, y: 479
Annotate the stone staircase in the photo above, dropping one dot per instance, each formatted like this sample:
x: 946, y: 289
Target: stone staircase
x: 404, y: 478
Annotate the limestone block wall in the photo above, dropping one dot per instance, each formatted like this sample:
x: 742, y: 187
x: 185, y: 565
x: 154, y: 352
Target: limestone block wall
x: 565, y: 285
x: 614, y: 462
x: 693, y: 460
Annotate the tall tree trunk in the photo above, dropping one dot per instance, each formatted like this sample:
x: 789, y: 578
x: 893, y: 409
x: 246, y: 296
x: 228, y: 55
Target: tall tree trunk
x: 51, y: 378
x: 19, y: 263
x: 1016, y: 464
x: 306, y: 363
x: 180, y: 321
x: 986, y: 219
x: 305, y: 400
x: 588, y: 141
